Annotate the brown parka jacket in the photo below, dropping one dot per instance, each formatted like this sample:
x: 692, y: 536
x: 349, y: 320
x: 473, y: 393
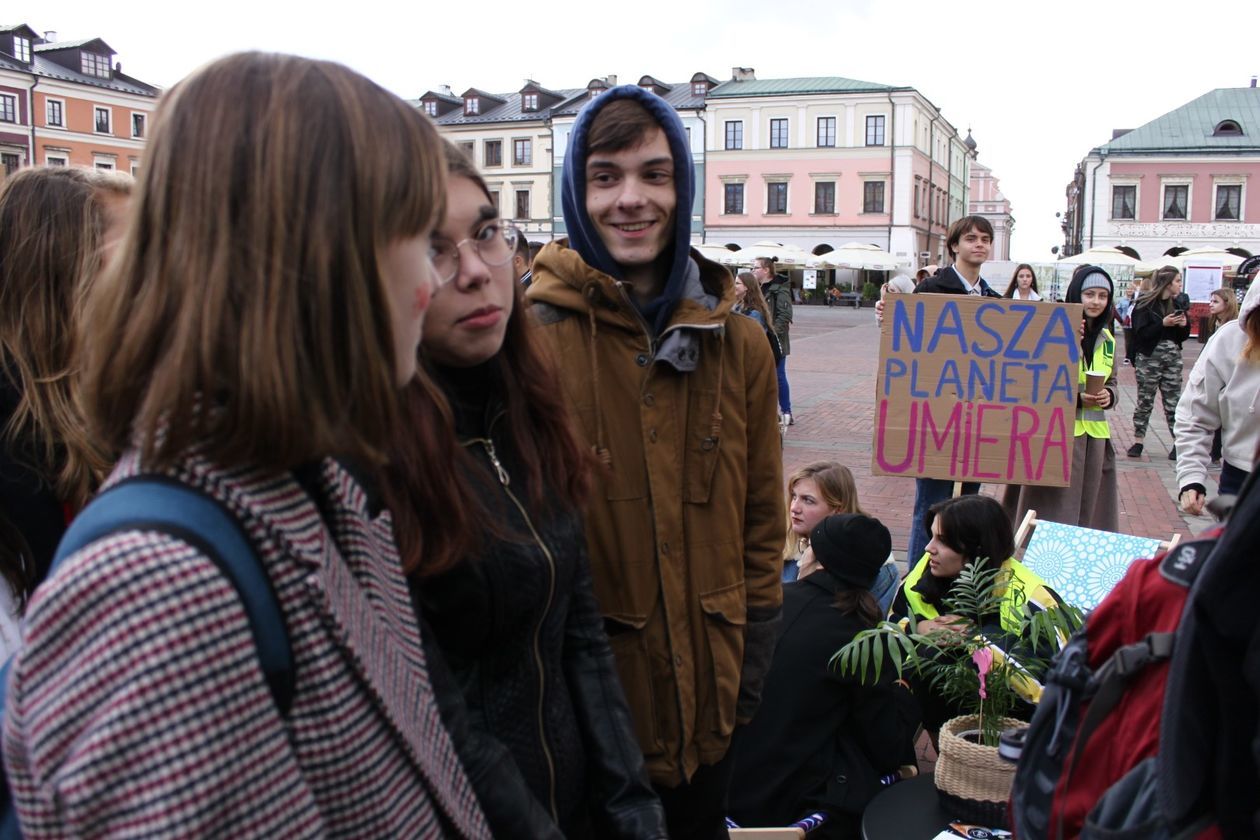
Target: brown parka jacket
x: 686, y: 521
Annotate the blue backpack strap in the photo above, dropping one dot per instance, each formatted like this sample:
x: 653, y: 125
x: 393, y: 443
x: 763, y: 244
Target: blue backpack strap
x: 163, y: 504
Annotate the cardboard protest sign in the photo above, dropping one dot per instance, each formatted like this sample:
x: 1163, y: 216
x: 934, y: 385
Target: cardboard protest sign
x: 977, y: 389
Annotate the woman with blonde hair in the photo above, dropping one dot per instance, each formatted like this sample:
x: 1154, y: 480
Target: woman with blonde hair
x: 247, y: 349
x: 816, y: 491
x: 51, y: 230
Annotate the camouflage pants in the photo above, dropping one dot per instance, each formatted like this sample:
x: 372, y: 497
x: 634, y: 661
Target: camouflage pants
x: 1162, y: 370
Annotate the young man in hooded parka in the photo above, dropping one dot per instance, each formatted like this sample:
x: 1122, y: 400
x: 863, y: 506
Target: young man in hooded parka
x: 676, y: 394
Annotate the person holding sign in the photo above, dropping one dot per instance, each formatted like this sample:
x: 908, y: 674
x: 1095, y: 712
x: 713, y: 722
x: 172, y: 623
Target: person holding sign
x: 1090, y: 500
x: 1159, y: 328
x: 969, y: 242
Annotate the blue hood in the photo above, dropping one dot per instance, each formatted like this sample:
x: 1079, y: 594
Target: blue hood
x: 583, y: 237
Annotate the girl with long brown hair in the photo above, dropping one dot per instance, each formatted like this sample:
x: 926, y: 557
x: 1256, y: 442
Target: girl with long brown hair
x: 51, y: 226
x: 247, y: 347
x: 1159, y: 328
x: 488, y: 516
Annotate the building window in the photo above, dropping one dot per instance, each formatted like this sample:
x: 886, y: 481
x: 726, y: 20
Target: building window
x: 1124, y: 201
x: 825, y: 197
x: 56, y: 159
x: 493, y: 153
x: 22, y: 49
x: 733, y: 199
x: 94, y: 64
x: 779, y: 134
x: 1227, y: 128
x: 522, y: 204
x: 494, y: 199
x: 875, y: 130
x: 469, y: 148
x: 8, y: 108
x: 472, y: 105
x: 135, y: 169
x: 917, y: 214
x: 530, y: 102
x: 105, y: 166
x: 734, y: 134
x: 522, y: 153
x: 137, y: 126
x: 1176, y: 200
x: 873, y: 197
x: 826, y: 132
x: 430, y: 108
x: 11, y: 162
x: 104, y: 122
x: 699, y: 88
x: 776, y: 198
x: 1228, y: 202
x: 55, y: 113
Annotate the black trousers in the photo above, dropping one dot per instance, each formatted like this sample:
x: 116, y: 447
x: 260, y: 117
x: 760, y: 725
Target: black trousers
x: 697, y: 810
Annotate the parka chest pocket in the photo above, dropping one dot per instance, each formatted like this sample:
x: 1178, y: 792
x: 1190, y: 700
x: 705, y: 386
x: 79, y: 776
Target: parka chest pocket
x: 703, y: 440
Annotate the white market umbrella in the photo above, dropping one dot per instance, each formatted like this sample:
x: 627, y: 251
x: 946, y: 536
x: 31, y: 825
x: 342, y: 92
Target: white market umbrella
x: 858, y: 255
x: 1100, y: 256
x: 786, y: 255
x: 717, y: 253
x: 1204, y: 256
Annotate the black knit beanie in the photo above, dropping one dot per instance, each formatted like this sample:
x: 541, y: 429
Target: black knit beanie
x: 852, y: 547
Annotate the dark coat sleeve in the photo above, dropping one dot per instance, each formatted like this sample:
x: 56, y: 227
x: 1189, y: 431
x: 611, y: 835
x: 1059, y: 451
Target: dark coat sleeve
x: 511, y: 809
x: 625, y: 804
x: 1148, y: 325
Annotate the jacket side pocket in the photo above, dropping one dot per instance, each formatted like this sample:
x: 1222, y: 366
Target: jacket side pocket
x: 725, y: 614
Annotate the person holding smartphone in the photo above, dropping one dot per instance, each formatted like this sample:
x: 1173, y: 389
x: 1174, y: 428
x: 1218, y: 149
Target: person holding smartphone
x: 1160, y: 326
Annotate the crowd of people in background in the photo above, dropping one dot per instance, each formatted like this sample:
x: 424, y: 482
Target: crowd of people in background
x: 520, y: 509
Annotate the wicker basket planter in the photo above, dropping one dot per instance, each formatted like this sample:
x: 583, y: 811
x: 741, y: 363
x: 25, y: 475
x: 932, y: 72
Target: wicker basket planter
x: 972, y: 781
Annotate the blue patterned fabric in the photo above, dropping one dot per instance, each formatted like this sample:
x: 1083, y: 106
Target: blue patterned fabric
x: 1082, y: 564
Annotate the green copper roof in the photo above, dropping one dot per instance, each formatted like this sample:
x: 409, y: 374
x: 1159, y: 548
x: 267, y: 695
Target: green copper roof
x: 1191, y: 127
x: 804, y: 85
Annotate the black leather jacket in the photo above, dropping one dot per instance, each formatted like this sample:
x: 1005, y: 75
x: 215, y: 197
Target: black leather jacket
x: 520, y: 629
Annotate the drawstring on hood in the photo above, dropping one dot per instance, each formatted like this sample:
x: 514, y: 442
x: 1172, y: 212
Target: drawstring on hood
x: 584, y: 238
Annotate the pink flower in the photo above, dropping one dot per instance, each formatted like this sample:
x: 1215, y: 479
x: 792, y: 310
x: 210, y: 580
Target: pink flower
x: 984, y: 661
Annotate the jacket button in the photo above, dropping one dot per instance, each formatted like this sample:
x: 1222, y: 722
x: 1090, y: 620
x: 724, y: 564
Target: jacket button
x: 842, y: 779
x: 665, y: 549
x: 641, y: 360
x: 649, y: 400
x: 678, y: 660
x: 652, y: 435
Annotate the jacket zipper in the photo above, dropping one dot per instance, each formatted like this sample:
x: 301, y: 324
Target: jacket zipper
x: 505, y: 480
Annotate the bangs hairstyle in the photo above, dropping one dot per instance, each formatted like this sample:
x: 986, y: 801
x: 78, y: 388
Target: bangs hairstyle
x: 962, y: 227
x: 250, y: 280
x: 428, y: 467
x: 51, y: 228
x: 977, y: 528
x: 624, y: 124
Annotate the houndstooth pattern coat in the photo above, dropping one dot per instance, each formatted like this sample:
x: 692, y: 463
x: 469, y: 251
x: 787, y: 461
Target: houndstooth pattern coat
x: 138, y: 706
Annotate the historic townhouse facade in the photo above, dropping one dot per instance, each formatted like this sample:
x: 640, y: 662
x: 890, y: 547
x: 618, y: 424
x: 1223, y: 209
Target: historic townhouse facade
x: 68, y: 103
x: 986, y: 200
x: 820, y: 162
x: 509, y: 138
x: 1188, y: 179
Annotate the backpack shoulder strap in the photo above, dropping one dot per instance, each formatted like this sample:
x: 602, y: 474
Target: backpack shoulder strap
x: 160, y: 503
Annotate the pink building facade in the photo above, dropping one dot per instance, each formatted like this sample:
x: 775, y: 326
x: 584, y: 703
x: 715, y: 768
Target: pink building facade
x: 1189, y: 179
x: 822, y: 162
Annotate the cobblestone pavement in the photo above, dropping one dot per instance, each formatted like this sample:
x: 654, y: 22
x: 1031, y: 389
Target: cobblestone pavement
x: 832, y: 375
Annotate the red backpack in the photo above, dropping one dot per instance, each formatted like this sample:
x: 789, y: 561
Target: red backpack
x: 1148, y: 724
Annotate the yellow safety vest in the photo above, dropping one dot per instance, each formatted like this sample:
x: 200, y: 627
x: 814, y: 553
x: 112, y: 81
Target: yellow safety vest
x: 1037, y: 594
x: 1093, y: 421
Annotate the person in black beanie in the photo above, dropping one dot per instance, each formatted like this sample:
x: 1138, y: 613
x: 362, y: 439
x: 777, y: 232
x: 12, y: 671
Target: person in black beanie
x: 816, y: 726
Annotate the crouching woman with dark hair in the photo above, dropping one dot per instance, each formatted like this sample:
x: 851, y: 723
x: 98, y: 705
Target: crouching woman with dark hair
x: 966, y: 529
x: 816, y: 726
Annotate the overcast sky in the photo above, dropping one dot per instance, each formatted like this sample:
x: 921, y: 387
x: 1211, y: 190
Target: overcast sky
x: 1038, y: 83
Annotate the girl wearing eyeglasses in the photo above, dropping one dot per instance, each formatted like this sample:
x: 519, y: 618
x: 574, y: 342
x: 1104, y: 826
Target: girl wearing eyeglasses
x: 488, y: 521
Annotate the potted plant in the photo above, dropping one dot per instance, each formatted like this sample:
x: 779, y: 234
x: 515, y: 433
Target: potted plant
x: 870, y: 293
x: 984, y: 671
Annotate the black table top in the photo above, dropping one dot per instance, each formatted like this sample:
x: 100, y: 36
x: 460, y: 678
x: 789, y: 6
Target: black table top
x: 908, y: 810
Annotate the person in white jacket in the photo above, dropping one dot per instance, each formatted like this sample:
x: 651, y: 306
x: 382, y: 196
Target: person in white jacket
x: 1223, y: 392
